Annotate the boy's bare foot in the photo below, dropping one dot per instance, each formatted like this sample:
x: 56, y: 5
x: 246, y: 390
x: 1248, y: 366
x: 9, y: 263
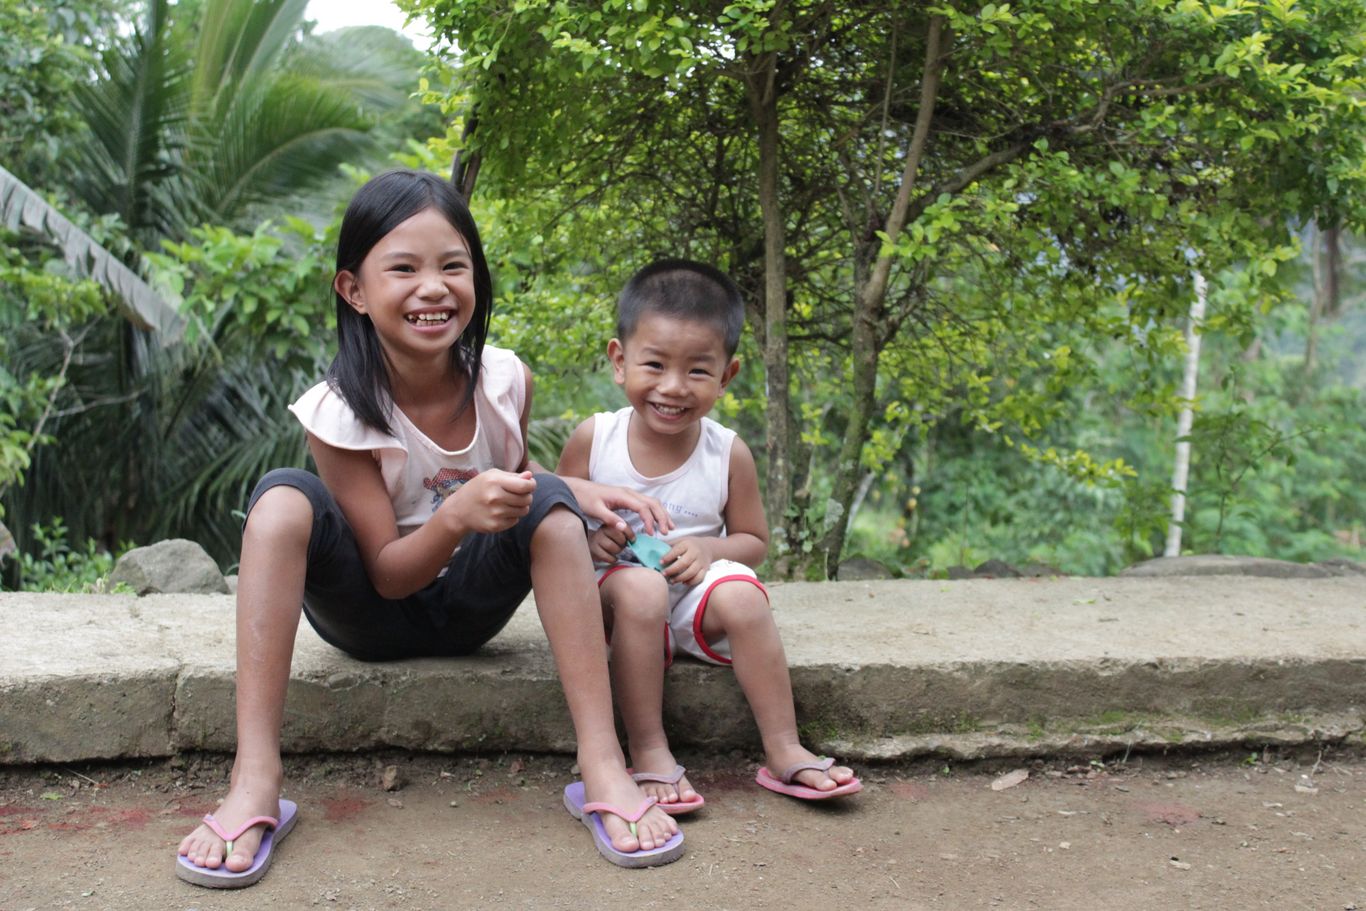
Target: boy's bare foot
x: 250, y: 794
x: 609, y: 783
x: 661, y: 761
x: 785, y: 758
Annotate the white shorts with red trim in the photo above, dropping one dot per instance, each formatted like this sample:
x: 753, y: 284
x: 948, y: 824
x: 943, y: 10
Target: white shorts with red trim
x: 688, y: 606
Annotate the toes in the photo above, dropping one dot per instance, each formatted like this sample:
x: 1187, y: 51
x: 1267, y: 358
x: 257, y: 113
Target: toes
x: 625, y: 841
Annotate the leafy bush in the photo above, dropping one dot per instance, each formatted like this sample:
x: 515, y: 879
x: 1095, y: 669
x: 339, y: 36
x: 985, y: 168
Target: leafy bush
x: 54, y: 565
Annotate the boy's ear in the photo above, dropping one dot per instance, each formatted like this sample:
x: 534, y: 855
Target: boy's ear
x: 348, y: 287
x: 616, y: 353
x: 729, y: 373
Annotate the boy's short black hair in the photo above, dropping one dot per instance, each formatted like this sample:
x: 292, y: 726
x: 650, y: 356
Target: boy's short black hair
x: 683, y: 289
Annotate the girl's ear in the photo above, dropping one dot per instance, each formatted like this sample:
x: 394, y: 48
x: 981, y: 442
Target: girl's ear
x: 348, y: 286
x: 617, y: 355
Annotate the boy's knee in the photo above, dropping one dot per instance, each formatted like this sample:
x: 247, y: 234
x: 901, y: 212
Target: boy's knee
x: 638, y: 596
x: 739, y: 603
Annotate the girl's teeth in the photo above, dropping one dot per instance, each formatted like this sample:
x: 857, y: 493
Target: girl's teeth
x: 428, y: 318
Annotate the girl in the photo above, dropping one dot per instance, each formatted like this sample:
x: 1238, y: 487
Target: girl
x: 425, y: 526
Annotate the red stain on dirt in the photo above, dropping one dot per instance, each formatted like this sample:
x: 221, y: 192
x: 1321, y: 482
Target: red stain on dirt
x: 1172, y: 814
x: 909, y: 790
x: 342, y: 809
x: 15, y: 810
x: 497, y: 795
x: 103, y: 818
x: 721, y: 781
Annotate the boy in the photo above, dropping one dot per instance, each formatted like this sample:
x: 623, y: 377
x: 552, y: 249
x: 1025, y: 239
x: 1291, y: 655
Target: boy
x: 678, y: 326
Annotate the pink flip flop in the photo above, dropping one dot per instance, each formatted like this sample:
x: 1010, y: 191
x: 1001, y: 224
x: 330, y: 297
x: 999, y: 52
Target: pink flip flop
x: 222, y: 877
x: 590, y: 815
x: 678, y: 808
x: 783, y: 784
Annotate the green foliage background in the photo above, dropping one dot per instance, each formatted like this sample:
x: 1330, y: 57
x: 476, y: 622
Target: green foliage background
x: 1025, y: 399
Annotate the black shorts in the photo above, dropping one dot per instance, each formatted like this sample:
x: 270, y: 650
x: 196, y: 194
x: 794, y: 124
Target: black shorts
x: 466, y: 606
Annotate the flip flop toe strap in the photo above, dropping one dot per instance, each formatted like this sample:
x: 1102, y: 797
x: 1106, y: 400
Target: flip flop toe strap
x: 598, y: 806
x: 820, y: 765
x: 673, y: 777
x: 230, y: 837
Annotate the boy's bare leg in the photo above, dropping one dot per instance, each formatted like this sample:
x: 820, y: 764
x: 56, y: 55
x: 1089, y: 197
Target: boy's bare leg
x: 740, y: 611
x: 270, y: 591
x: 637, y: 600
x: 567, y: 599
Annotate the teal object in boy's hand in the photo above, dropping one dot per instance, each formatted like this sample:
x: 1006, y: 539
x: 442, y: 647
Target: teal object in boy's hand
x: 650, y: 551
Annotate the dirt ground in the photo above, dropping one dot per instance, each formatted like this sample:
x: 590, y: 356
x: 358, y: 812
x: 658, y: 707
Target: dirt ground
x: 1213, y: 831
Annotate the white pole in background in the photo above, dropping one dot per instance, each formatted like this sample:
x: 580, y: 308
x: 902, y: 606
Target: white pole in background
x: 1181, y: 470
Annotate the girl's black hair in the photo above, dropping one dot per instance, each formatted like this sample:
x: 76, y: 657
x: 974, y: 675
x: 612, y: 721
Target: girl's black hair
x: 359, y: 372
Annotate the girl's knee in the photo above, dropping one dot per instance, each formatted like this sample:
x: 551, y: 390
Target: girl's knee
x: 280, y: 515
x: 560, y: 525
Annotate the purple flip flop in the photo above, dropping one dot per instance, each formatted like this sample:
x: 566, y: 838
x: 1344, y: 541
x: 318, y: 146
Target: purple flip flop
x: 222, y: 877
x: 590, y: 815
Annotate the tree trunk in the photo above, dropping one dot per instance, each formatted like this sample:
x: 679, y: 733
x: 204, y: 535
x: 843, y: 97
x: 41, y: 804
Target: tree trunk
x: 762, y: 91
x: 1181, y: 469
x: 866, y: 339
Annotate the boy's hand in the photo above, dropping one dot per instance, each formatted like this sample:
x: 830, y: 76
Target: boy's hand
x: 491, y: 501
x: 687, y: 561
x: 606, y: 544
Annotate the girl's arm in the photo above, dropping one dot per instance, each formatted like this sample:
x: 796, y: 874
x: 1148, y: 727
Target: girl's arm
x: 491, y: 501
x: 746, y: 539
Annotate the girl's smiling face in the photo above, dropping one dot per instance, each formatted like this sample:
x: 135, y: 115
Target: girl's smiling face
x: 416, y: 285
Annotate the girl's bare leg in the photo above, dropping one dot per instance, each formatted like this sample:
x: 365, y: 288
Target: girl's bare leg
x: 638, y: 602
x: 567, y: 599
x: 270, y: 591
x: 739, y: 611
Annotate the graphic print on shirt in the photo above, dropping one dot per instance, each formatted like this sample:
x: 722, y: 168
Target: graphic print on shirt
x: 446, y: 482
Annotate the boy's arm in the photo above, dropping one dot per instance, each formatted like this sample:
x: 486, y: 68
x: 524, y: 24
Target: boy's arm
x: 746, y: 539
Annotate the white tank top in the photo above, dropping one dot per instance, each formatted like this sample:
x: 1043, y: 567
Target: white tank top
x: 694, y: 493
x: 418, y: 474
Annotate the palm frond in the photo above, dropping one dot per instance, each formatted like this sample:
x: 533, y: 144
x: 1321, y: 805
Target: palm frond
x: 148, y: 310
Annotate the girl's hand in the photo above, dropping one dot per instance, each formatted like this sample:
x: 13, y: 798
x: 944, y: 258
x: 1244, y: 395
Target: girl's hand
x: 491, y: 501
x: 606, y: 544
x: 602, y: 500
x: 687, y: 561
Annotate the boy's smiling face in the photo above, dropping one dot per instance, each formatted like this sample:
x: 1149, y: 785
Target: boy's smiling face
x: 673, y: 370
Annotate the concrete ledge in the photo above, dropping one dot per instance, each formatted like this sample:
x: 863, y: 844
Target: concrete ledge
x: 880, y: 670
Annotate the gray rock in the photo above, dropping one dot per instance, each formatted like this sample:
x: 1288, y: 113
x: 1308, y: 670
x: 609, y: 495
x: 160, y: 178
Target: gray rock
x: 1039, y: 571
x: 1340, y: 567
x: 1225, y: 565
x: 996, y: 569
x: 176, y: 566
x: 862, y: 569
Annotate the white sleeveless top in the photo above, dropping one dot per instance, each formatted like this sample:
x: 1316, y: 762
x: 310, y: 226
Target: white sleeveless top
x: 418, y: 474
x: 694, y: 493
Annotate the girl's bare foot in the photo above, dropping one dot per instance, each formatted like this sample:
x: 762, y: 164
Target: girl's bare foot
x: 609, y: 783
x: 660, y: 760
x: 252, y: 793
